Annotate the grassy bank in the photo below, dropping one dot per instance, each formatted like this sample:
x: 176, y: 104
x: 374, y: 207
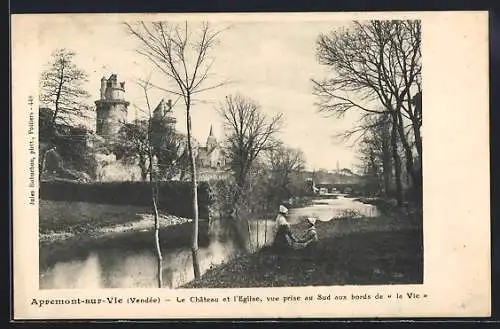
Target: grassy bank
x: 61, y: 220
x: 381, y: 250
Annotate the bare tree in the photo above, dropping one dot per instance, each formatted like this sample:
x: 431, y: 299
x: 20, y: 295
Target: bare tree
x: 375, y: 149
x: 146, y: 86
x: 378, y: 130
x: 61, y: 85
x: 285, y: 162
x: 250, y: 132
x: 181, y: 53
x: 375, y: 62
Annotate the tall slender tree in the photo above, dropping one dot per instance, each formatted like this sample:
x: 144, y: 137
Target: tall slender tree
x: 182, y: 53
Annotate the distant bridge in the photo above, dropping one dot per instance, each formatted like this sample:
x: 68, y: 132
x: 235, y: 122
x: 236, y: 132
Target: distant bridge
x: 339, y: 186
x: 331, y: 187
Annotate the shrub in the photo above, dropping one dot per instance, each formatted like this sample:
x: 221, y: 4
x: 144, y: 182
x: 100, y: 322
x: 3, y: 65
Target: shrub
x: 173, y: 197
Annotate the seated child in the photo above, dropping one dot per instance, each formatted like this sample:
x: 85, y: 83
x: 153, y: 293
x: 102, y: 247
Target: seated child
x: 310, y: 237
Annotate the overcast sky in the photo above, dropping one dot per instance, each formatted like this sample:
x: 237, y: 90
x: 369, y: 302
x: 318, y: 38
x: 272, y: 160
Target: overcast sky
x: 270, y: 62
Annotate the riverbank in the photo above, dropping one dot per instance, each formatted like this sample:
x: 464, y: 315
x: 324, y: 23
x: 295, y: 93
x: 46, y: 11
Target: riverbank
x: 62, y: 220
x: 68, y: 230
x: 382, y: 250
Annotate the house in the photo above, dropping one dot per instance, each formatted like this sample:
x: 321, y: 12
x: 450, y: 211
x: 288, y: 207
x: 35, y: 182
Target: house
x: 211, y: 155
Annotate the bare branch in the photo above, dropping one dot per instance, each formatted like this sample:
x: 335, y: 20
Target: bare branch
x: 61, y: 85
x: 249, y: 132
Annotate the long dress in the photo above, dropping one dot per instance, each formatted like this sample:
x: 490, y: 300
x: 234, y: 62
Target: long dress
x: 283, y: 235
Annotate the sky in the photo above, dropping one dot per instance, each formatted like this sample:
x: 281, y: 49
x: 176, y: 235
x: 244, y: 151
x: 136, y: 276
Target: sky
x: 271, y: 62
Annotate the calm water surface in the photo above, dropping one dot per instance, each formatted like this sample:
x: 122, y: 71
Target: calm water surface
x: 122, y: 268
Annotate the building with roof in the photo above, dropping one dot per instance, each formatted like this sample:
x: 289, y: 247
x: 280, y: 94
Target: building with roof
x: 211, y: 155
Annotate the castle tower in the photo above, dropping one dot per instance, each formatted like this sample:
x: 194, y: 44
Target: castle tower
x: 211, y: 140
x: 163, y: 112
x: 160, y: 111
x: 111, y: 108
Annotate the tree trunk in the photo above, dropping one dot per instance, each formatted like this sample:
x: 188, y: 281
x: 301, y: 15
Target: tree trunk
x: 397, y: 161
x: 418, y: 170
x: 258, y: 233
x: 386, y: 156
x: 57, y: 100
x: 418, y: 141
x: 265, y: 232
x: 154, y: 194
x: 157, y: 239
x: 407, y: 149
x: 418, y: 137
x: 54, y: 116
x: 144, y: 168
x: 387, y: 169
x: 249, y: 233
x: 415, y: 119
x: 194, y: 185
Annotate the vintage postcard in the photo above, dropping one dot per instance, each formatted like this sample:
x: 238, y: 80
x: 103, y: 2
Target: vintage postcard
x: 251, y: 165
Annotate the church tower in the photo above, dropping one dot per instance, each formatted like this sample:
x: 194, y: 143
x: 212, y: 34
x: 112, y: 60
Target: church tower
x: 211, y: 140
x: 111, y: 108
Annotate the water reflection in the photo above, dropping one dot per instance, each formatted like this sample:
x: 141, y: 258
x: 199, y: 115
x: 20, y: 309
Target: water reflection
x: 119, y: 267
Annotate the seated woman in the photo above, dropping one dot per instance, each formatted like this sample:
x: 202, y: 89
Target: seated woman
x: 284, y: 237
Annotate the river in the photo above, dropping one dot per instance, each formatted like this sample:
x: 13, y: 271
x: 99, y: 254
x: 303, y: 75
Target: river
x: 125, y: 268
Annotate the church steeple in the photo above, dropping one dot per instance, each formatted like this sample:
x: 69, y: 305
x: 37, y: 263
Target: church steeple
x: 211, y: 140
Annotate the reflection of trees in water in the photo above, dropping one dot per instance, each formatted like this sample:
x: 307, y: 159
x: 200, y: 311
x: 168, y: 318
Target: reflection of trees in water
x: 123, y: 268
x: 123, y: 263
x: 111, y: 262
x: 168, y: 277
x: 50, y: 256
x: 74, y: 274
x: 177, y: 266
x: 128, y: 266
x: 261, y: 233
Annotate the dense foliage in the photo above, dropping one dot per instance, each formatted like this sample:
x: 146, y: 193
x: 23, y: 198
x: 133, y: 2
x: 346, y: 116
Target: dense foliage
x: 174, y: 197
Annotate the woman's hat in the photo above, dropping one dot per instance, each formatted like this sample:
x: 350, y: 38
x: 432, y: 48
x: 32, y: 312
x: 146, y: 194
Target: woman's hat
x: 283, y: 209
x: 311, y: 220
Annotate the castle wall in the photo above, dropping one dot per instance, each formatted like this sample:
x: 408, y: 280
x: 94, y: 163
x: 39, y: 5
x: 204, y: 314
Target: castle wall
x: 119, y: 171
x: 115, y: 94
x: 110, y: 117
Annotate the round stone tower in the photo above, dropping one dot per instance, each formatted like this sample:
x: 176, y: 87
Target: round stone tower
x: 111, y: 109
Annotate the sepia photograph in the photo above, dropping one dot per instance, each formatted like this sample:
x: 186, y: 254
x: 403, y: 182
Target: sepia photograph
x: 191, y: 157
x: 304, y: 149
